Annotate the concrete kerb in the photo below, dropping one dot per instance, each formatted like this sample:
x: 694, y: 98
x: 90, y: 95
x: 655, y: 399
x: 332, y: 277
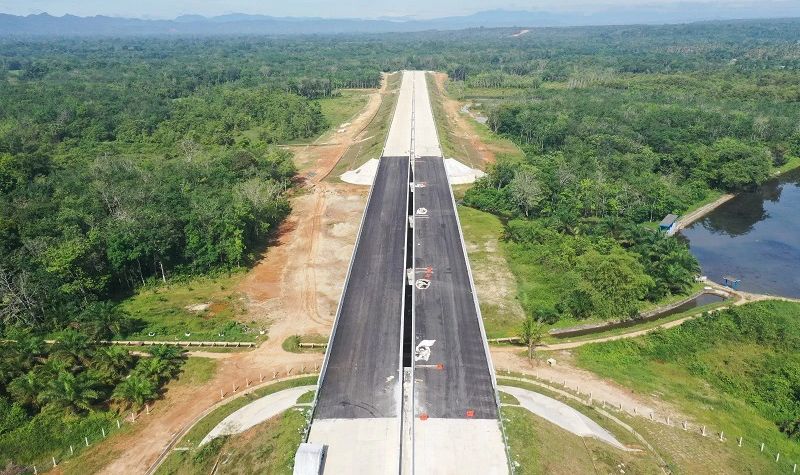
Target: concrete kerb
x: 605, y: 413
x: 188, y: 426
x: 401, y: 373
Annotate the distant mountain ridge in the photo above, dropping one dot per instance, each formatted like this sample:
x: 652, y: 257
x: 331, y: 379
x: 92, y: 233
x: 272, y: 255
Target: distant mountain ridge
x: 243, y: 24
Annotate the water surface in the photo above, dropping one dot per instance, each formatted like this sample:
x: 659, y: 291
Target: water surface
x: 754, y: 237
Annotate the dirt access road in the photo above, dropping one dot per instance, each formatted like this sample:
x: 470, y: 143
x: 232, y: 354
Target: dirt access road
x: 294, y: 288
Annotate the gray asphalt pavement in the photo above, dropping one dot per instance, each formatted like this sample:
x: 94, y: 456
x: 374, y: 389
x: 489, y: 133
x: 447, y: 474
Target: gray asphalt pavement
x: 445, y: 311
x: 363, y: 378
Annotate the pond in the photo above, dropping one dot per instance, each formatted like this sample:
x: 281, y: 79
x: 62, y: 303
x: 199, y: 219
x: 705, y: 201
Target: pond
x: 754, y: 237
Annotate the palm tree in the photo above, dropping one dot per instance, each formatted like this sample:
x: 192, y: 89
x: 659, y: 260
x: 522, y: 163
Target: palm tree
x: 72, y: 346
x: 531, y: 333
x: 155, y: 369
x: 104, y: 320
x: 135, y: 391
x: 70, y: 392
x: 168, y: 353
x: 25, y: 389
x: 173, y: 356
x: 112, y: 362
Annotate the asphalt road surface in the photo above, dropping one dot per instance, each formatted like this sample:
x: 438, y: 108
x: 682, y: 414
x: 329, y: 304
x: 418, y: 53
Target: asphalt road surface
x: 445, y: 311
x: 363, y: 378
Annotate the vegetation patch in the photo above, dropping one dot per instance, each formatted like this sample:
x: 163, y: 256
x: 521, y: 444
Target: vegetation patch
x: 306, y: 398
x: 293, y: 343
x: 537, y: 446
x: 343, y: 106
x: 371, y: 146
x: 205, y: 308
x: 735, y: 370
x: 192, y: 438
x: 268, y: 447
x: 52, y: 396
x: 494, y: 282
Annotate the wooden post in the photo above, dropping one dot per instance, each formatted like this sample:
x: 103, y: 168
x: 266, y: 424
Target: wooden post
x: 86, y: 441
x: 777, y: 457
x: 684, y: 425
x: 740, y: 441
x: 762, y: 446
x: 721, y: 435
x: 54, y: 462
x: 704, y: 431
x: 71, y: 450
x: 35, y: 471
x: 147, y: 409
x: 118, y: 424
x: 260, y: 377
x: 221, y: 395
x: 103, y: 430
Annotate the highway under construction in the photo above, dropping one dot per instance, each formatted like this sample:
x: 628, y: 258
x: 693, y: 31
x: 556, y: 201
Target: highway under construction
x: 407, y: 385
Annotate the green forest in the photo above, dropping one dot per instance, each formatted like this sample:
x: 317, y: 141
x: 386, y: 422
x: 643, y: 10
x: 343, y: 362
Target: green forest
x: 610, y: 150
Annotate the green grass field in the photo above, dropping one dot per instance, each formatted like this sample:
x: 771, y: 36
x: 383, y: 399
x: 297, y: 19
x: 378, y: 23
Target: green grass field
x: 685, y: 452
x: 714, y: 380
x: 344, y: 106
x: 268, y: 447
x: 537, y: 446
x: 207, y: 308
x: 197, y: 460
x: 502, y: 316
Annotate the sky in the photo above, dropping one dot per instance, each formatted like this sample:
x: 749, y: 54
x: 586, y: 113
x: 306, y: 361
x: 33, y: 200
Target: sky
x: 166, y: 9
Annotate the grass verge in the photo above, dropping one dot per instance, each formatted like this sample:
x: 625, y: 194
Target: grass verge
x: 371, y: 146
x: 537, y: 446
x: 177, y: 460
x: 268, y: 447
x: 724, y: 371
x: 494, y: 282
x: 292, y: 343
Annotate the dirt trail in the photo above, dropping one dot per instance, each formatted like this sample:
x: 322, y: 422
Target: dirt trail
x: 461, y: 126
x: 294, y: 289
x: 585, y: 382
x: 690, y: 218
